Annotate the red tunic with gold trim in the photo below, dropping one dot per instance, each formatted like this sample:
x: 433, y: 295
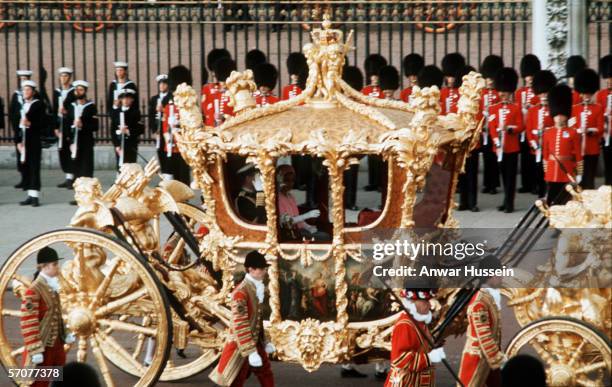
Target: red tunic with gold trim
x: 291, y: 91
x: 405, y: 94
x: 263, y: 99
x: 246, y: 337
x: 215, y: 104
x: 482, y: 354
x: 538, y: 119
x: 373, y: 91
x: 410, y: 366
x: 42, y: 326
x: 525, y: 98
x: 604, y: 99
x: 589, y: 118
x: 449, y: 96
x: 507, y: 115
x: 564, y: 143
x: 488, y: 98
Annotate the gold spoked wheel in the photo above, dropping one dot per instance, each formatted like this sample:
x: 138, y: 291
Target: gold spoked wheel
x: 106, y: 288
x: 574, y: 352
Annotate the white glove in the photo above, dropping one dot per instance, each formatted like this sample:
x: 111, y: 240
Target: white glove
x: 37, y: 358
x: 310, y: 228
x: 255, y: 360
x: 436, y: 355
x: 308, y: 215
x: 70, y: 338
x: 578, y: 179
x: 258, y: 184
x: 270, y: 348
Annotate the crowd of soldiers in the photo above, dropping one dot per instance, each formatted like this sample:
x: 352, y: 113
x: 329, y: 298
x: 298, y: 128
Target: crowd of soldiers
x: 515, y: 122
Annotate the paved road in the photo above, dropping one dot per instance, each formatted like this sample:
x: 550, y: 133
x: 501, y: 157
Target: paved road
x: 18, y: 224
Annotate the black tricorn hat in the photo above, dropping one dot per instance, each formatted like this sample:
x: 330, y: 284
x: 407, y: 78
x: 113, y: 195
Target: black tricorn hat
x: 353, y: 76
x: 373, y: 63
x: 214, y: 55
x: 543, y: 81
x: 560, y: 100
x: 177, y: 75
x: 574, y: 64
x: 47, y: 255
x: 530, y: 65
x: 605, y: 66
x: 506, y: 80
x: 223, y: 68
x: 388, y: 78
x: 465, y: 70
x: 255, y: 260
x: 253, y: 58
x: 429, y: 76
x: 296, y: 63
x: 265, y: 75
x: 491, y: 65
x: 412, y: 64
x: 452, y: 63
x: 586, y: 81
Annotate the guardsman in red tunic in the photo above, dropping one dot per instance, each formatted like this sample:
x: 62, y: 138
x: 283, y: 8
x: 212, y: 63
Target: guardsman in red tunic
x: 482, y: 355
x: 561, y: 152
x: 588, y: 120
x: 42, y: 327
x: 298, y: 71
x: 246, y: 352
x: 573, y: 66
x: 372, y: 66
x: 538, y: 119
x: 412, y: 65
x: 217, y: 101
x: 175, y: 164
x: 526, y: 98
x: 210, y: 89
x: 449, y: 95
x: 411, y: 355
x: 604, y: 99
x: 489, y: 97
x: 506, y: 124
x: 265, y: 75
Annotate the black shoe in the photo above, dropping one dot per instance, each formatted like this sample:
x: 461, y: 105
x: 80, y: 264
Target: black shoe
x: 73, y: 203
x: 493, y: 191
x: 462, y: 208
x: 18, y: 186
x: 501, y: 208
x: 381, y: 376
x: 35, y: 202
x: 370, y: 188
x: 352, y: 373
x: 524, y: 190
x: 475, y: 209
x: 27, y: 202
x: 509, y: 210
x: 66, y: 184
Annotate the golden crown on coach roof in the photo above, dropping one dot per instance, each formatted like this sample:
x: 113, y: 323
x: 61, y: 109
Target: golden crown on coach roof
x: 326, y: 35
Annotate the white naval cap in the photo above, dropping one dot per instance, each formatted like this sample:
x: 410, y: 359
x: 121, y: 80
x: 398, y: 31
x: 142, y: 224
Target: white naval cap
x: 125, y: 92
x: 30, y: 83
x: 64, y: 70
x: 24, y: 73
x: 161, y: 77
x: 81, y: 83
x: 121, y: 64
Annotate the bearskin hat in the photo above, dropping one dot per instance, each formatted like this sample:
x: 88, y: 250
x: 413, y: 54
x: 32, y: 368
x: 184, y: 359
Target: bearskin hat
x: 223, y: 68
x: 214, y: 55
x: 296, y: 63
x: 373, y: 63
x: 586, y: 81
x: 177, y: 75
x: 265, y: 75
x: 452, y: 63
x: 465, y: 70
x: 605, y: 66
x: 491, y: 65
x: 412, y: 64
x: 560, y: 100
x: 353, y: 76
x: 253, y: 58
x: 389, y: 78
x: 574, y: 64
x: 429, y: 76
x: 543, y: 81
x: 530, y: 64
x: 506, y: 80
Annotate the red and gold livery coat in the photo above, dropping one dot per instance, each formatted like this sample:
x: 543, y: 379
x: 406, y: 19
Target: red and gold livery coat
x: 511, y: 115
x: 561, y: 145
x: 588, y: 116
x: 481, y: 353
x: 538, y: 119
x: 410, y: 366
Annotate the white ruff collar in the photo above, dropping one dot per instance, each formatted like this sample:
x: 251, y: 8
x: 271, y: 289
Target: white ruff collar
x: 260, y: 288
x: 496, y: 294
x: 53, y: 282
x: 426, y: 318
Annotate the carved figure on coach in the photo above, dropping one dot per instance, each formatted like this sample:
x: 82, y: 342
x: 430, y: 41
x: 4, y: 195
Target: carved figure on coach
x: 354, y: 77
x: 63, y: 96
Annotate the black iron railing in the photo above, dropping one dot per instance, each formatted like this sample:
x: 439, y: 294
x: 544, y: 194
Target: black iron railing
x: 155, y: 35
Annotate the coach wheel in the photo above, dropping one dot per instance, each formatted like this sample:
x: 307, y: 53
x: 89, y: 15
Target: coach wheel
x: 106, y: 289
x: 574, y: 352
